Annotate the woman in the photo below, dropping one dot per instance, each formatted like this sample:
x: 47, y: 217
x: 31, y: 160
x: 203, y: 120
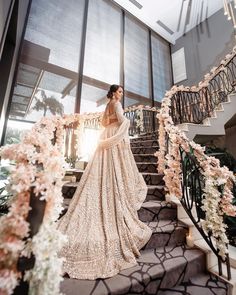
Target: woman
x: 102, y: 225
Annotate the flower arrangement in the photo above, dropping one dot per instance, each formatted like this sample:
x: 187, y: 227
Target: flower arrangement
x: 139, y: 114
x: 39, y: 166
x: 215, y: 202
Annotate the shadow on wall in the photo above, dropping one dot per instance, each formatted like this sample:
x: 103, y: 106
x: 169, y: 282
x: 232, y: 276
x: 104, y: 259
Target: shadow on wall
x: 224, y: 143
x: 205, y: 47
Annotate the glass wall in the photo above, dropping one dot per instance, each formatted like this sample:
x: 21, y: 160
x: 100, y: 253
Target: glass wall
x: 161, y: 66
x: 136, y: 63
x: 102, y: 54
x: 48, y: 72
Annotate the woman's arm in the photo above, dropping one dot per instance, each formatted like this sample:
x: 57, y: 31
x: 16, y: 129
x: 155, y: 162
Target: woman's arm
x: 105, y: 119
x: 119, y: 112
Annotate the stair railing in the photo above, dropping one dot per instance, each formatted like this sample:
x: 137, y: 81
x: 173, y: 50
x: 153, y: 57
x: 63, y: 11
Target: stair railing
x: 36, y: 182
x: 195, y: 104
x: 142, y: 120
x: 197, y: 180
x: 193, y: 184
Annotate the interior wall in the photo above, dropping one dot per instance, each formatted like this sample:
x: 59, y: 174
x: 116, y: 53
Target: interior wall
x: 230, y: 140
x: 205, y: 46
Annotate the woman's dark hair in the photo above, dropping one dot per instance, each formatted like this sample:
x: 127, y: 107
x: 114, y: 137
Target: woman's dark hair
x: 113, y: 88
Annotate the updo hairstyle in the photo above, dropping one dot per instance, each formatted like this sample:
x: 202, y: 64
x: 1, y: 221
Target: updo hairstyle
x: 113, y: 88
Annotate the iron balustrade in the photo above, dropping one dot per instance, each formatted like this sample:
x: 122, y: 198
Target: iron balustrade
x: 148, y: 124
x: 188, y: 106
x: 192, y: 201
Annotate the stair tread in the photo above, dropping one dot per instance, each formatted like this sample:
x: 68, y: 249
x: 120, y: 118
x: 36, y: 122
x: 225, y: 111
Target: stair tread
x: 147, y: 163
x: 143, y: 155
x: 145, y: 147
x: 147, y: 204
x: 143, y: 140
x: 160, y: 186
x: 153, y: 263
x: 165, y: 225
x: 203, y: 283
x: 157, y: 203
x: 152, y: 173
x: 71, y: 183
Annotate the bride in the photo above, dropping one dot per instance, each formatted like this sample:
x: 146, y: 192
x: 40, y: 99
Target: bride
x: 102, y: 226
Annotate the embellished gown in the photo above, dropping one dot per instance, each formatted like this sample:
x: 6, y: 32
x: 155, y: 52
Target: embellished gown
x: 102, y: 225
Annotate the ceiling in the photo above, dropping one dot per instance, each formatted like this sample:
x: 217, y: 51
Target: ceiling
x: 171, y: 18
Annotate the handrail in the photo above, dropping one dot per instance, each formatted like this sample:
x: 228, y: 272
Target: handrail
x: 142, y: 120
x: 195, y: 104
x: 36, y: 181
x: 196, y: 179
x: 192, y: 200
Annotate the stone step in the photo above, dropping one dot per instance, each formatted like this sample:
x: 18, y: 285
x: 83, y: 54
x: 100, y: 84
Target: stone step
x: 153, y: 178
x: 203, y: 283
x: 74, y: 172
x: 150, y: 158
x: 153, y: 136
x: 150, y: 179
x: 146, y: 143
x: 160, y: 268
x: 147, y: 166
x: 69, y: 189
x: 144, y: 150
x: 166, y: 233
x: 156, y: 192
x: 157, y: 210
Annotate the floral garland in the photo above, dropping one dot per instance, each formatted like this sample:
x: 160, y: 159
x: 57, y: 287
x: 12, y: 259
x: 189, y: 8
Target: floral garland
x: 139, y: 119
x: 215, y: 203
x: 139, y: 111
x: 39, y: 165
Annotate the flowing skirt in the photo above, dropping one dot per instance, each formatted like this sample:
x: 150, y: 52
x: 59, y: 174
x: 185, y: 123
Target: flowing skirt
x: 102, y: 225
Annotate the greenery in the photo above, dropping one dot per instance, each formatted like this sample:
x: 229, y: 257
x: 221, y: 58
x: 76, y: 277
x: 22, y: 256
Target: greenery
x: 5, y: 196
x: 12, y: 136
x: 72, y: 160
x: 226, y: 159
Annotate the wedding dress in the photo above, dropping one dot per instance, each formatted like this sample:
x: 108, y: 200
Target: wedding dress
x: 102, y: 225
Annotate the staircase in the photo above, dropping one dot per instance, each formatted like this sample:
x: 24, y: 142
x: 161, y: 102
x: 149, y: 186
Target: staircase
x: 166, y: 265
x: 213, y: 126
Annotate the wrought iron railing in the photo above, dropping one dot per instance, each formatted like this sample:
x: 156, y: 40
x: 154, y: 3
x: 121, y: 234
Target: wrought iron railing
x: 189, y: 174
x: 192, y: 201
x: 142, y: 120
x: 149, y: 122
x: 194, y: 104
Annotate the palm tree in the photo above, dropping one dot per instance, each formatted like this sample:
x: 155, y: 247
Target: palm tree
x: 48, y: 104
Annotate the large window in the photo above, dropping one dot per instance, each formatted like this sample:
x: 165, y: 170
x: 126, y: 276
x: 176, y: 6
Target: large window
x: 161, y: 65
x: 102, y: 54
x: 136, y: 62
x: 48, y: 70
